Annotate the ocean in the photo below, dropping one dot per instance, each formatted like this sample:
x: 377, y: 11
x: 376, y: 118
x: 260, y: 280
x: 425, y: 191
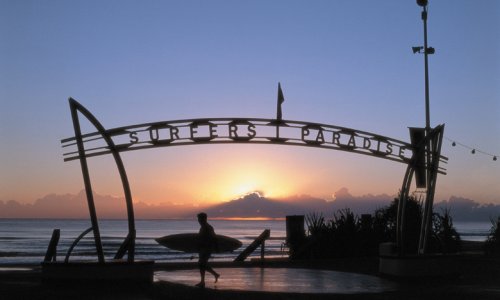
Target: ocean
x: 25, y: 241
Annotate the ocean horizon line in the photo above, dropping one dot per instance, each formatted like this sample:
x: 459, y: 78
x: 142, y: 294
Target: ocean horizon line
x: 152, y: 219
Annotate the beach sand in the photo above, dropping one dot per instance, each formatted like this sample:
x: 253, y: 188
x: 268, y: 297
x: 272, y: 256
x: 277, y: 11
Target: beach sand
x: 479, y: 279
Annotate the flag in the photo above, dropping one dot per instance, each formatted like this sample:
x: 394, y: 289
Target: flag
x: 281, y: 99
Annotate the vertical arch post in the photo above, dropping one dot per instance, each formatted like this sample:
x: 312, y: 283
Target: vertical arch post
x: 129, y: 243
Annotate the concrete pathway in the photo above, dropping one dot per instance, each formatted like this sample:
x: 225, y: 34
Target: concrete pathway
x: 289, y: 280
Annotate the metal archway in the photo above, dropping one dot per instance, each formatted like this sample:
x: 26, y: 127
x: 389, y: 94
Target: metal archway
x: 250, y: 131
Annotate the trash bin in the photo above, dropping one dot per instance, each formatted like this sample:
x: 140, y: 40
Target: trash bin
x: 295, y: 233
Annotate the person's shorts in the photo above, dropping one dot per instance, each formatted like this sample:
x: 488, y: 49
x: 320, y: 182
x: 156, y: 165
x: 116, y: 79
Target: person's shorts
x: 203, y: 258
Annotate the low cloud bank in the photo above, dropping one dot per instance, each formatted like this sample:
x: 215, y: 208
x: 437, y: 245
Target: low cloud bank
x: 249, y: 206
x: 72, y: 206
x: 463, y: 209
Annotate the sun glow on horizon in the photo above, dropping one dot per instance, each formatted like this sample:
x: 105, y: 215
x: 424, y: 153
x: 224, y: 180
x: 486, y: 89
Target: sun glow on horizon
x: 238, y: 178
x: 213, y: 175
x: 265, y: 187
x: 249, y: 219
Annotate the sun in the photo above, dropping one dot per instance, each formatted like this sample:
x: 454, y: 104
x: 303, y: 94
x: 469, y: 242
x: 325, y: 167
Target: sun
x: 262, y: 185
x: 244, y: 188
x: 227, y: 178
x: 267, y: 183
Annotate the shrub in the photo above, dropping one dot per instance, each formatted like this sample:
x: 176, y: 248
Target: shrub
x: 445, y: 237
x: 492, y: 245
x: 386, y: 222
x: 347, y: 235
x: 315, y: 224
x: 344, y: 229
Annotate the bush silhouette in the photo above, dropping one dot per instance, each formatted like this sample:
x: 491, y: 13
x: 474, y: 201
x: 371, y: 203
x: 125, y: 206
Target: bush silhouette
x: 445, y: 239
x: 492, y: 245
x: 347, y: 235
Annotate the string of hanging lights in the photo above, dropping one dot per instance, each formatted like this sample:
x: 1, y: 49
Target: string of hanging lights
x: 473, y: 150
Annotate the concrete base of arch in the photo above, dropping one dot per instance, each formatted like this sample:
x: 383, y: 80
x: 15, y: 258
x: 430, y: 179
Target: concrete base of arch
x: 115, y: 272
x: 415, y: 266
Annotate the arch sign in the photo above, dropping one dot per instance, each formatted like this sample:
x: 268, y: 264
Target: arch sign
x: 249, y: 131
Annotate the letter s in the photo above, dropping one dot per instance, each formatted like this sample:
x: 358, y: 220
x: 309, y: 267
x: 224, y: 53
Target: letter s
x: 133, y: 137
x: 251, y: 131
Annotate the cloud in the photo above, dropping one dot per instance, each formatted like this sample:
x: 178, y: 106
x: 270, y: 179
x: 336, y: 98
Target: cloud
x: 463, y: 209
x: 50, y: 206
x: 365, y: 204
x: 252, y: 205
x: 74, y: 206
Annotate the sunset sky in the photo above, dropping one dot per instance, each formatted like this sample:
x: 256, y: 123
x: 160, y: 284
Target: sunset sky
x: 345, y: 63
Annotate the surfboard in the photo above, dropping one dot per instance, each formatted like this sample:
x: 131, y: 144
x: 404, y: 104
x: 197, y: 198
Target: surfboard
x: 188, y: 242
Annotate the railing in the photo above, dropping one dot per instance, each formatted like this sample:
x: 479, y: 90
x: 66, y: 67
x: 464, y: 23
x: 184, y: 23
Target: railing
x: 259, y: 241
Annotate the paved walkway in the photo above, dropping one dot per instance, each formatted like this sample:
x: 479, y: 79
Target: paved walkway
x: 288, y: 280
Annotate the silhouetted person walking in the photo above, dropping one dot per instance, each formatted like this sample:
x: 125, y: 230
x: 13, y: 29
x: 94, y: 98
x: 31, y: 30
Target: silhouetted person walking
x: 208, y: 242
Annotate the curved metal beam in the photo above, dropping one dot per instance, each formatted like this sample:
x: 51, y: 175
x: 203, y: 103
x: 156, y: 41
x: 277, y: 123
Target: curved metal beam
x: 401, y: 214
x: 75, y: 242
x: 240, y: 130
x: 75, y: 107
x: 86, y: 180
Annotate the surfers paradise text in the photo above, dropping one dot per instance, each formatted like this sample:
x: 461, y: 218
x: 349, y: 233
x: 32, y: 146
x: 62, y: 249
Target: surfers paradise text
x: 223, y: 130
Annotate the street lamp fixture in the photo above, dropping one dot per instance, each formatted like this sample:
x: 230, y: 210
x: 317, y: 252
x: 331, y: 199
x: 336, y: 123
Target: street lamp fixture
x: 422, y: 3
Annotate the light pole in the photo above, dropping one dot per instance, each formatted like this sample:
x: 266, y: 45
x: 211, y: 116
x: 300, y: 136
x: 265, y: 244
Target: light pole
x: 426, y: 51
x: 427, y: 217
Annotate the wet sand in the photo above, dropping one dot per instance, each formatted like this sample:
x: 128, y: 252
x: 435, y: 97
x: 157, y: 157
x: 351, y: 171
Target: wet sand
x: 479, y: 279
